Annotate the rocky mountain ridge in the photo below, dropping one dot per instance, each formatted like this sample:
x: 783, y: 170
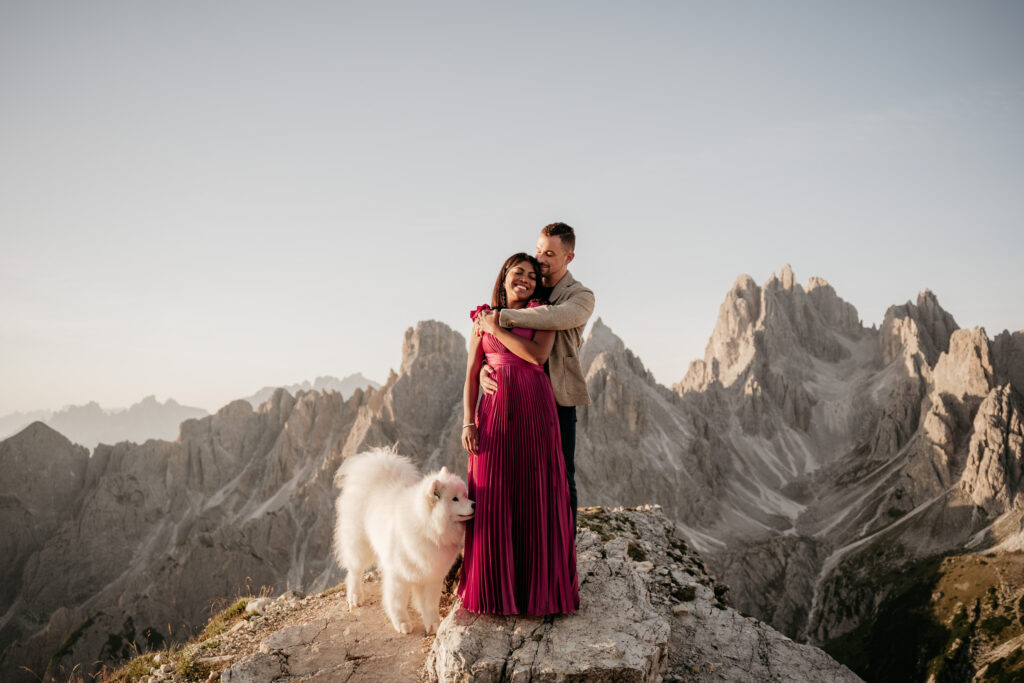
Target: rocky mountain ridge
x: 822, y: 455
x: 806, y: 456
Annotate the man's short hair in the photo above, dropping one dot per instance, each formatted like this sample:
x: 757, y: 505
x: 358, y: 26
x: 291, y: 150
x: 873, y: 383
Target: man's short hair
x: 565, y: 232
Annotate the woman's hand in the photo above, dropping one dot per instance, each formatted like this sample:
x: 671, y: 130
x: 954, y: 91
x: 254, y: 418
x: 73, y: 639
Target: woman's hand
x: 471, y: 439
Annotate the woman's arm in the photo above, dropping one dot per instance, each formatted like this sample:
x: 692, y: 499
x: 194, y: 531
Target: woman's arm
x: 470, y: 435
x: 534, y: 350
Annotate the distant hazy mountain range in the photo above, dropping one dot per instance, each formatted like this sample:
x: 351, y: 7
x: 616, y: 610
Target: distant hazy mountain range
x: 345, y: 387
x: 90, y: 424
x: 843, y: 480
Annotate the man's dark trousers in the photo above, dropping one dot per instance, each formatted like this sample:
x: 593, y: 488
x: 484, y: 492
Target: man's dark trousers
x: 567, y: 426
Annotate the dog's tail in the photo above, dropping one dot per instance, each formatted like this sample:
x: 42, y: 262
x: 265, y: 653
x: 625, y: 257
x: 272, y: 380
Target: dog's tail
x: 380, y: 466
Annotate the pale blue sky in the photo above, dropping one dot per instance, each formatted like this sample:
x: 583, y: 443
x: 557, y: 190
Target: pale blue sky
x: 201, y: 198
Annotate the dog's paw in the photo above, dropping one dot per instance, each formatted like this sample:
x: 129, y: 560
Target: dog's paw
x: 353, y: 602
x: 431, y: 626
x: 403, y: 627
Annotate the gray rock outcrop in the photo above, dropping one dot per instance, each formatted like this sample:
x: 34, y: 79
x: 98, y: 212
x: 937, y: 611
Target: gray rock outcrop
x: 317, y: 649
x: 649, y: 611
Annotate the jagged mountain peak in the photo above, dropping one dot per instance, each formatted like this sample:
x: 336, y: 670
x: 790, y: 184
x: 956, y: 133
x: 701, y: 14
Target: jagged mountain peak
x: 785, y: 279
x: 280, y: 402
x: 600, y: 330
x: 41, y: 466
x: 744, y: 282
x: 779, y: 320
x: 433, y: 365
x: 835, y: 311
x: 238, y: 407
x: 927, y: 301
x: 814, y: 282
x: 611, y: 354
x: 357, y: 379
x: 150, y: 404
x: 731, y: 346
x: 92, y: 408
x: 923, y: 328
x: 600, y: 340
x: 39, y: 433
x: 346, y: 387
x: 430, y: 338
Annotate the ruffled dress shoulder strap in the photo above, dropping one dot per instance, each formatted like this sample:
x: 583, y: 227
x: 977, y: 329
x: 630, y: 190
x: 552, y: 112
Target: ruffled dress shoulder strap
x: 478, y: 310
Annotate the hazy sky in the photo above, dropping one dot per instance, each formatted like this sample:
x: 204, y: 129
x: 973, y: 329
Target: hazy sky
x: 201, y: 198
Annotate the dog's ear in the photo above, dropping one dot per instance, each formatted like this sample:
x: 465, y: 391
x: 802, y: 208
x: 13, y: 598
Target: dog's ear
x: 444, y: 472
x: 435, y: 489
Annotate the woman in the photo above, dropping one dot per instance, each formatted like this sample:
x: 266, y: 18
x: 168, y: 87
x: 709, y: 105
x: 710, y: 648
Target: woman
x: 520, y: 555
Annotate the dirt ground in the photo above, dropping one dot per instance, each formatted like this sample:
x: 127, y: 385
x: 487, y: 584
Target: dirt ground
x: 376, y: 650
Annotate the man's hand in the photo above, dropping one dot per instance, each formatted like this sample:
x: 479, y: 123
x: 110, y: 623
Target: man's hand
x: 488, y: 321
x: 487, y: 383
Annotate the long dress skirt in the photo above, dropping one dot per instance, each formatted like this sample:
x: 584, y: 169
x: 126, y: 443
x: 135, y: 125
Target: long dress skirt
x: 520, y: 555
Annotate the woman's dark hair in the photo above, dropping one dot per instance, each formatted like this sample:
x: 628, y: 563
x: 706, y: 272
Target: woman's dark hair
x: 498, y: 299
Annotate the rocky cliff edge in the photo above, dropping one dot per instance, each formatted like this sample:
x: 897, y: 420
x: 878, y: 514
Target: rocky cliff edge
x: 649, y: 612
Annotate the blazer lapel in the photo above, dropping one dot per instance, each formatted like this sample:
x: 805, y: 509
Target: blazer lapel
x: 560, y: 288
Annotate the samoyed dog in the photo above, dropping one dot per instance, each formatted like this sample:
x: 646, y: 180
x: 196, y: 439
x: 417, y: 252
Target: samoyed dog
x: 410, y: 525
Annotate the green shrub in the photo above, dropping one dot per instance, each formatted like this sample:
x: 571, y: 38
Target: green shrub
x: 133, y: 670
x: 185, y: 664
x: 223, y: 621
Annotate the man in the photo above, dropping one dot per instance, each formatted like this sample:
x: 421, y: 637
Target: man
x: 571, y: 305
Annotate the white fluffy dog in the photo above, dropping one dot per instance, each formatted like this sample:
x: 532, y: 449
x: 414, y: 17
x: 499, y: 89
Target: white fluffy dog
x: 411, y: 526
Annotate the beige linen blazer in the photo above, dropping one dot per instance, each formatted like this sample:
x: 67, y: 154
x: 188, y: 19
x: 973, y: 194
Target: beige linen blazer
x: 570, y: 308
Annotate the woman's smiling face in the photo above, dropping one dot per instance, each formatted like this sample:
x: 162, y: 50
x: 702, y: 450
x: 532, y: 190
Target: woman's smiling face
x: 520, y: 282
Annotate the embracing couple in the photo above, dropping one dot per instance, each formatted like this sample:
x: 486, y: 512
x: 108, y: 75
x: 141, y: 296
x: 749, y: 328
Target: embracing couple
x: 520, y: 552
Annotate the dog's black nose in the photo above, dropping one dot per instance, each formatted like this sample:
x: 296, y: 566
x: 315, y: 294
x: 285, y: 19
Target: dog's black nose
x: 472, y: 504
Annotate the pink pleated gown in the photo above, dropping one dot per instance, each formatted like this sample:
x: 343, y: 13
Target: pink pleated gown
x: 520, y: 555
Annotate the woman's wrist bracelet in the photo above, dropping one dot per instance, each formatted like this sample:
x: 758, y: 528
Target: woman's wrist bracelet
x: 469, y: 424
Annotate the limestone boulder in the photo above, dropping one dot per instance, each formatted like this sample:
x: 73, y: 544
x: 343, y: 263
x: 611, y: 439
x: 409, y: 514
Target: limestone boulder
x: 649, y: 612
